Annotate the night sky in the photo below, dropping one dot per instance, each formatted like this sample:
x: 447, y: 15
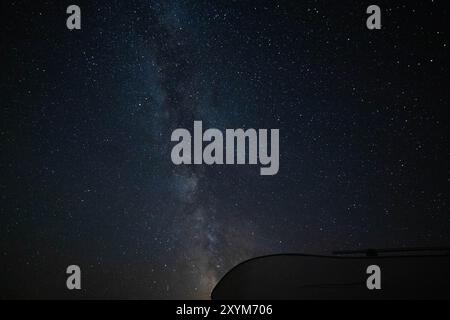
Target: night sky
x: 86, y: 174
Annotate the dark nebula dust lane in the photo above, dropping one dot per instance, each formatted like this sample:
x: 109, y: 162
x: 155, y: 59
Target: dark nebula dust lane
x: 86, y: 173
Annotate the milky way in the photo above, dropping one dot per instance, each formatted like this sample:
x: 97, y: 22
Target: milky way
x: 87, y: 177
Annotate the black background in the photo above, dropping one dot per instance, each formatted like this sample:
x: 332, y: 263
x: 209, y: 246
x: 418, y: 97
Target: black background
x: 86, y: 176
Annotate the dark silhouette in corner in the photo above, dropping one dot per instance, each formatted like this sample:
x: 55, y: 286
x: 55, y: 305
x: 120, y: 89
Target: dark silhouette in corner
x: 415, y: 273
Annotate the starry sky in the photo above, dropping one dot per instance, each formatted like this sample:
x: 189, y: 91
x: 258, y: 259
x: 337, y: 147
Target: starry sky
x: 86, y: 174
